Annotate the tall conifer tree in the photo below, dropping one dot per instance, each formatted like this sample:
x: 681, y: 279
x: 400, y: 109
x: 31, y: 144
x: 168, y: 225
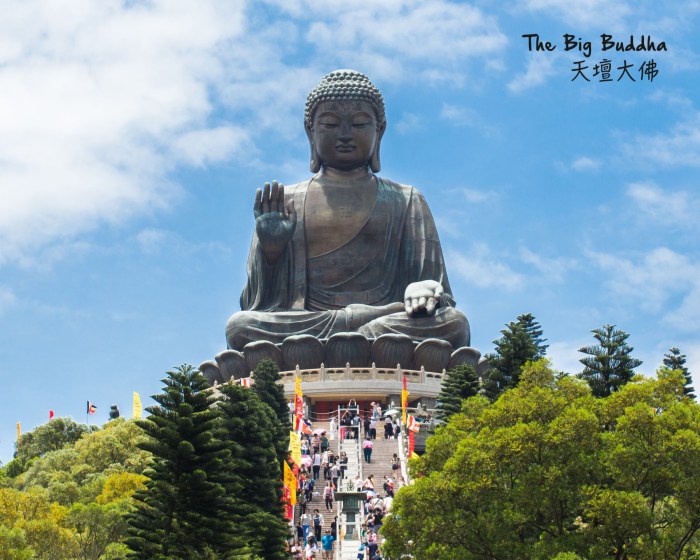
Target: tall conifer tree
x: 460, y: 382
x: 184, y: 512
x: 514, y: 349
x: 266, y: 383
x: 251, y: 434
x: 534, y: 329
x: 608, y: 365
x: 675, y: 360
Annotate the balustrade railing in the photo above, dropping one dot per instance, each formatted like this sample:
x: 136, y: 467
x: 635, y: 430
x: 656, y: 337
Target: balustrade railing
x: 372, y: 373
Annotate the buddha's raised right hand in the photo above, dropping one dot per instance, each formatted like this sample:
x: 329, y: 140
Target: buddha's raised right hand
x: 273, y: 224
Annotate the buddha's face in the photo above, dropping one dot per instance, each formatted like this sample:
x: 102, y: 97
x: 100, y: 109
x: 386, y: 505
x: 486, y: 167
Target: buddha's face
x: 344, y: 133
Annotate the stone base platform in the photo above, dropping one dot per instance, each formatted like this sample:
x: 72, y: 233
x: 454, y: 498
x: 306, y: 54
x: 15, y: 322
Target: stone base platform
x: 349, y: 364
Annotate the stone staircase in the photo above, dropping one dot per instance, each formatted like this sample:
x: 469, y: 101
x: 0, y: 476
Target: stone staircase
x: 348, y: 541
x: 379, y: 466
x: 317, y: 501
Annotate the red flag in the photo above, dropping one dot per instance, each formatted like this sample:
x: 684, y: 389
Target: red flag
x: 50, y: 414
x: 91, y: 408
x: 298, y: 405
x: 411, y: 443
x: 246, y: 381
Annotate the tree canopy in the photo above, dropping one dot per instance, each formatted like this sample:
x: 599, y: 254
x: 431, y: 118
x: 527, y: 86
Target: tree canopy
x: 52, y: 436
x: 549, y: 471
x: 71, y: 500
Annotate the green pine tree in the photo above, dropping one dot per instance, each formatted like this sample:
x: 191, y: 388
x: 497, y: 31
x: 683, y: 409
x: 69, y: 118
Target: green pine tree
x: 251, y: 434
x: 460, y: 382
x: 183, y: 513
x: 675, y: 360
x: 534, y: 329
x: 608, y: 365
x: 514, y: 349
x: 266, y: 384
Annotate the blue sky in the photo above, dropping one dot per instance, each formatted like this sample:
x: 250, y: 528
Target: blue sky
x: 133, y: 136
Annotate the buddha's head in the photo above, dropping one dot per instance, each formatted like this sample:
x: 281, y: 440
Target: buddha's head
x: 344, y: 121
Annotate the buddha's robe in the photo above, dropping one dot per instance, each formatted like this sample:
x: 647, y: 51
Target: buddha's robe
x: 357, y: 287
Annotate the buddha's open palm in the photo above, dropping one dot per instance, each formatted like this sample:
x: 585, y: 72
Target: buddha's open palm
x: 274, y: 224
x: 422, y: 296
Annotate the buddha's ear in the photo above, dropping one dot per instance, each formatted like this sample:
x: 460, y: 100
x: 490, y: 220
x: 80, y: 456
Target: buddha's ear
x: 314, y: 162
x: 374, y: 163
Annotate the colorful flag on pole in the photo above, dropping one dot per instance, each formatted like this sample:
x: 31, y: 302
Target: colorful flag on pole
x: 290, y: 482
x: 305, y: 428
x: 404, y: 400
x: 136, y: 408
x: 288, y: 508
x: 411, y: 443
x: 19, y: 430
x: 298, y: 406
x: 50, y: 415
x: 295, y: 448
x: 91, y: 408
x: 412, y: 425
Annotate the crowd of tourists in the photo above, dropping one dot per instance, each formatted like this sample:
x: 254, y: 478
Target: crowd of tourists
x: 321, y: 473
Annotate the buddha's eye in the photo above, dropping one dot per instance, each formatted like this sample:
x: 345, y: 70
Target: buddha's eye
x: 329, y: 124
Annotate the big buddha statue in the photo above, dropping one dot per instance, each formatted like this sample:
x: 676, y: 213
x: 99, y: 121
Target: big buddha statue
x: 346, y: 251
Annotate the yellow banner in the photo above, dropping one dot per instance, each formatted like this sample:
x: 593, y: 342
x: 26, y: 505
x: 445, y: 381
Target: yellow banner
x: 136, y: 410
x: 290, y: 482
x: 295, y: 447
x: 404, y: 404
x: 19, y: 433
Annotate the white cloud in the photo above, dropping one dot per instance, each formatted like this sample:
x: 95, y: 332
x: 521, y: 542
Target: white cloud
x: 7, y: 299
x: 204, y: 146
x: 99, y: 101
x: 565, y: 355
x: 686, y: 317
x: 584, y: 14
x: 151, y: 240
x: 450, y: 225
x: 680, y: 147
x: 583, y: 163
x: 102, y: 101
x: 664, y: 207
x: 540, y: 66
x: 660, y: 281
x: 408, y: 123
x: 466, y: 116
x: 477, y: 196
x: 553, y: 269
x: 481, y: 269
x: 396, y: 38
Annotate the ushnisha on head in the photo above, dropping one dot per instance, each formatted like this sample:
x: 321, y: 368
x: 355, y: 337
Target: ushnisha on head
x: 345, y: 86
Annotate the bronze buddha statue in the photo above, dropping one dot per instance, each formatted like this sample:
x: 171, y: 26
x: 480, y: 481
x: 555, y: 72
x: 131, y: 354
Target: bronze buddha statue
x: 347, y: 250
